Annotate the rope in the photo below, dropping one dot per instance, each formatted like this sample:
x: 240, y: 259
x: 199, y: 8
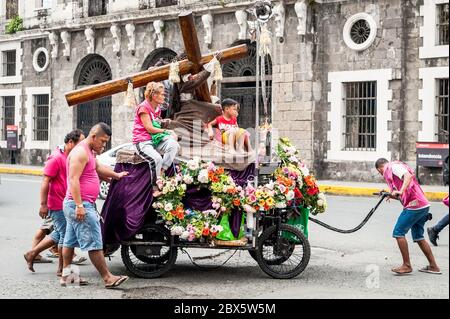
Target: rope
x: 349, y: 231
x: 208, y: 257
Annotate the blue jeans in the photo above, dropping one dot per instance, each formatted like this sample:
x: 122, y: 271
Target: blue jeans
x: 86, y: 234
x: 413, y: 220
x: 441, y: 224
x: 59, y: 226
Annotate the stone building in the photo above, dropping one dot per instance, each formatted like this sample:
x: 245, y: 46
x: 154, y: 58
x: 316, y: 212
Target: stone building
x: 349, y: 81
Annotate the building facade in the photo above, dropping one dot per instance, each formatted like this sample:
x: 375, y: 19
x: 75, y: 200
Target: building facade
x: 347, y: 81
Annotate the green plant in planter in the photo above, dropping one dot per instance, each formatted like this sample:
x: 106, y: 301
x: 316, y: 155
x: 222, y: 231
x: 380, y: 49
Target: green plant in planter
x: 16, y: 24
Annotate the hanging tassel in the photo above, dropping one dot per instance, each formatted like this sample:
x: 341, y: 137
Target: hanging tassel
x: 218, y: 76
x: 130, y: 98
x: 174, y: 73
x: 265, y: 41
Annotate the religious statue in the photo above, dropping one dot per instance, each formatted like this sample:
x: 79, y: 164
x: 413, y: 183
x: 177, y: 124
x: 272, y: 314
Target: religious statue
x: 116, y: 34
x: 66, y: 39
x: 301, y: 11
x: 130, y: 28
x: 53, y: 38
x: 279, y: 12
x: 159, y: 33
x: 241, y: 17
x: 90, y: 38
x: 207, y: 20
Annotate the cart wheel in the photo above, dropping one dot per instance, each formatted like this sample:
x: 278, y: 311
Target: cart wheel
x: 283, y: 254
x: 146, y: 261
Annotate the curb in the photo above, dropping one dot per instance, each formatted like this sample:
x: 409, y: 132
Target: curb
x: 21, y: 171
x: 328, y: 189
x: 368, y: 192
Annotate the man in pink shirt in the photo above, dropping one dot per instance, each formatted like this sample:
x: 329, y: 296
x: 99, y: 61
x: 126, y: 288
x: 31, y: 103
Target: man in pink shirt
x: 404, y: 187
x: 53, y: 191
x: 83, y: 225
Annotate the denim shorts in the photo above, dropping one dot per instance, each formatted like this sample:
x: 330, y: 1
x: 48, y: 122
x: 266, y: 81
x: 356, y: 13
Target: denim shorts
x: 86, y: 234
x: 59, y: 226
x: 413, y: 220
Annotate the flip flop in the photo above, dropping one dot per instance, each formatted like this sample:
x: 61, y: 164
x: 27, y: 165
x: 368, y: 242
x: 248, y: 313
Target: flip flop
x: 78, y: 260
x: 42, y: 260
x: 400, y: 273
x: 427, y: 270
x: 117, y: 283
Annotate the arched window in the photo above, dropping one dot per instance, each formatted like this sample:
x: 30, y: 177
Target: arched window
x: 93, y: 69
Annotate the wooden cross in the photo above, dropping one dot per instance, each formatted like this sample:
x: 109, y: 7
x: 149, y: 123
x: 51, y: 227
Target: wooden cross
x: 193, y: 64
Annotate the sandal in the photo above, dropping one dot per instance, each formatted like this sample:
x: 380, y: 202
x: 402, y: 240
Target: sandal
x: 117, y: 283
x: 82, y: 282
x: 42, y: 260
x: 77, y: 260
x: 428, y: 270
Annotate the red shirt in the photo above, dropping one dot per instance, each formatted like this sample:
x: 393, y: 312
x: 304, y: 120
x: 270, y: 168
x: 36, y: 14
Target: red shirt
x: 224, y: 125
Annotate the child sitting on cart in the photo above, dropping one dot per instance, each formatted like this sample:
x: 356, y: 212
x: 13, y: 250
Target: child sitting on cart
x: 228, y: 131
x: 148, y: 136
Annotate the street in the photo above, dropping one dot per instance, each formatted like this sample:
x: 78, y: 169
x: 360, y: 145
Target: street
x: 341, y: 266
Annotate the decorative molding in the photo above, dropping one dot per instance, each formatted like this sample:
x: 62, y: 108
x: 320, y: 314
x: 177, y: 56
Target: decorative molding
x: 301, y: 9
x: 89, y: 32
x: 348, y: 27
x: 116, y: 32
x: 159, y: 33
x: 130, y: 28
x: 208, y: 21
x: 241, y: 17
x: 337, y: 125
x: 428, y: 32
x: 54, y: 42
x: 427, y: 94
x: 279, y: 12
x: 66, y: 38
x: 35, y: 59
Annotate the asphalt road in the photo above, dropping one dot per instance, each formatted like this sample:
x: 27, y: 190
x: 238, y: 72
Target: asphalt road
x: 341, y: 266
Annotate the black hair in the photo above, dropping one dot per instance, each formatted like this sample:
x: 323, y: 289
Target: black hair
x: 161, y: 62
x: 105, y: 128
x: 380, y: 162
x: 228, y: 102
x: 73, y: 136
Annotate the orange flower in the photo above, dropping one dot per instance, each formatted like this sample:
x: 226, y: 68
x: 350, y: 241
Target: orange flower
x: 236, y: 202
x: 180, y: 215
x: 205, y: 232
x: 220, y: 171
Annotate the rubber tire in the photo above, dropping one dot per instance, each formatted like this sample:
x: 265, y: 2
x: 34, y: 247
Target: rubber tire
x: 103, y: 192
x: 263, y: 263
x: 172, y: 258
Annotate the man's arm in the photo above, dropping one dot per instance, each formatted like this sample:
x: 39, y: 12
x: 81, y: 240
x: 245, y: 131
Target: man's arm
x: 107, y: 172
x: 45, y: 186
x: 407, y: 178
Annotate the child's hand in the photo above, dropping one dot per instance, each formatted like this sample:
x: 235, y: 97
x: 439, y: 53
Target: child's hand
x: 211, y: 135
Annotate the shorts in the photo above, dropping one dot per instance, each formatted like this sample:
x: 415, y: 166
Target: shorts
x: 47, y: 225
x: 59, y: 226
x: 86, y: 234
x: 413, y: 220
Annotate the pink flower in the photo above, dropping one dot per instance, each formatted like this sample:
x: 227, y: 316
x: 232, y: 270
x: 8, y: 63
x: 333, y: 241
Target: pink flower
x: 252, y: 198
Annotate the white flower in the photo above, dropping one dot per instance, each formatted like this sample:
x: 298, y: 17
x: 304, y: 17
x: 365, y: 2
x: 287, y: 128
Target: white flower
x: 225, y: 189
x: 203, y: 176
x: 293, y: 159
x: 290, y: 195
x: 305, y: 171
x: 177, y: 230
x: 168, y: 207
x: 160, y: 206
x: 185, y: 235
x: 165, y: 190
x: 188, y: 179
x: 320, y: 203
x: 193, y: 165
x: 321, y: 196
x: 271, y: 185
x: 216, y: 228
x: 183, y: 187
x: 280, y: 205
x: 249, y: 209
x: 155, y: 205
x: 171, y: 189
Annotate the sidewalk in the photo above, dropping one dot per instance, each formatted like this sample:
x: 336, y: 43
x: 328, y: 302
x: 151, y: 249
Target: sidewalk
x: 331, y: 187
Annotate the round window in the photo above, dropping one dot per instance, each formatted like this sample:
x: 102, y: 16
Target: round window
x: 41, y: 59
x: 360, y: 31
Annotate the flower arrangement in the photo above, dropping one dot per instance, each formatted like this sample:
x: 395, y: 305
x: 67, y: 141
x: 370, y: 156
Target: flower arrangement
x: 293, y: 185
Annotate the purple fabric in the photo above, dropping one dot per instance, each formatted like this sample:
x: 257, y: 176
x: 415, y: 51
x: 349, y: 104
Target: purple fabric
x: 129, y: 202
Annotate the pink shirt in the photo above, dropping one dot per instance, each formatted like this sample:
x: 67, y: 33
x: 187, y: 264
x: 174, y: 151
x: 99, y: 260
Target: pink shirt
x: 55, y: 168
x: 89, y: 180
x: 413, y: 197
x: 140, y: 133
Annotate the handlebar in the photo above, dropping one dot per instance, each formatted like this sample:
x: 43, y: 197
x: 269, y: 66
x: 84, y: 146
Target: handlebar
x: 382, y: 193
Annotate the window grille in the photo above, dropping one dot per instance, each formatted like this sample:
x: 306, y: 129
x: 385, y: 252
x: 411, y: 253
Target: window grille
x: 97, y: 7
x: 12, y: 9
x: 9, y: 63
x: 166, y: 3
x: 442, y: 110
x: 360, y: 105
x: 442, y: 23
x: 7, y: 113
x: 41, y: 117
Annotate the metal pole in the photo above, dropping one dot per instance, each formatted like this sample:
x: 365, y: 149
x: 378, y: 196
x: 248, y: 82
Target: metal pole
x: 258, y: 33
